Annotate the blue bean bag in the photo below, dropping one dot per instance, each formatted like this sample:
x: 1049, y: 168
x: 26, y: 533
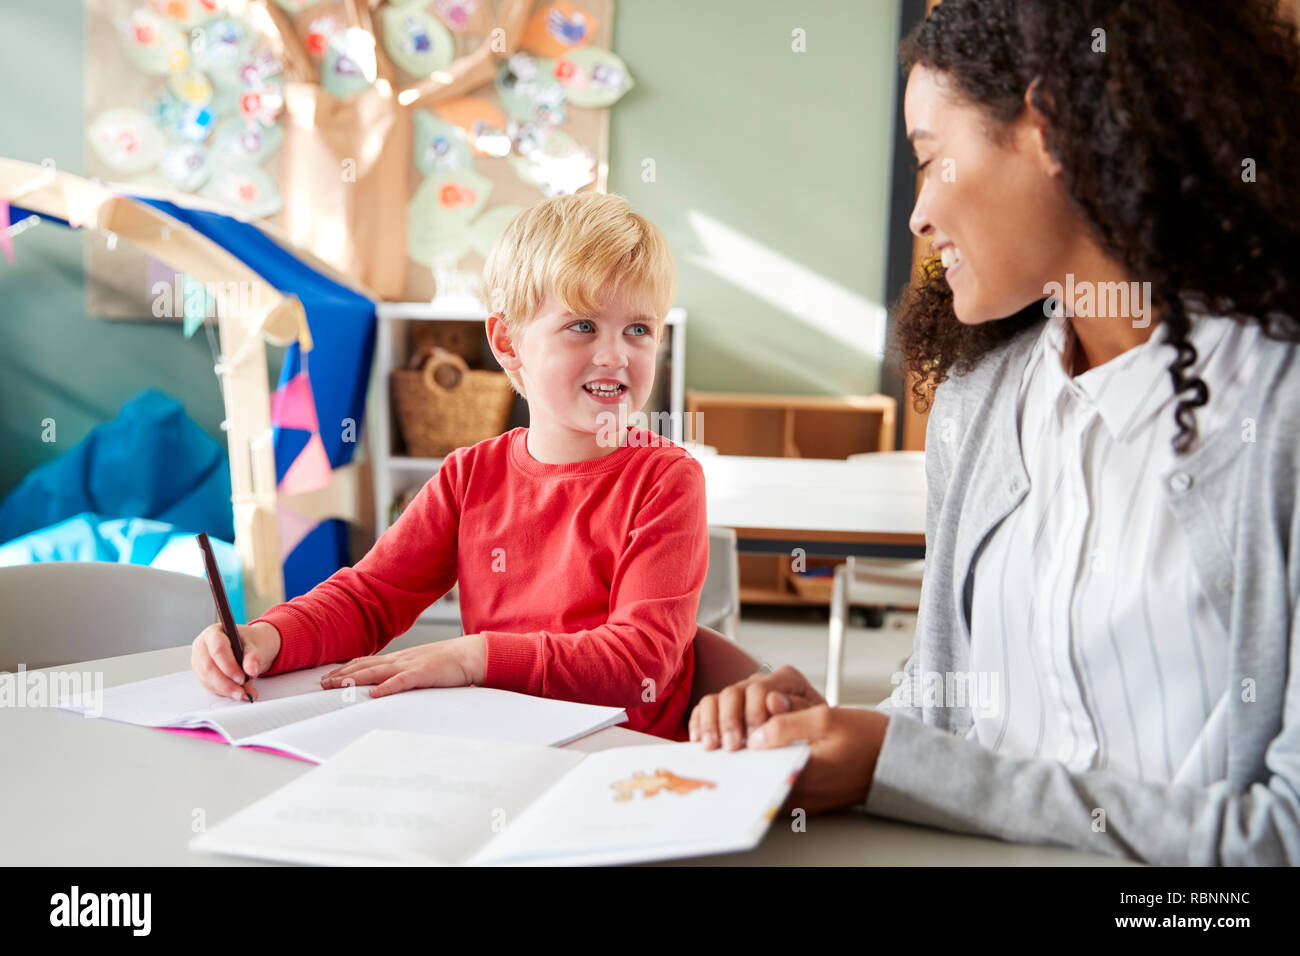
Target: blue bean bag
x: 152, y: 461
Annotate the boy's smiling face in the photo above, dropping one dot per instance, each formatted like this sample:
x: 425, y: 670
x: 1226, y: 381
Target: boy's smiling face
x: 564, y: 360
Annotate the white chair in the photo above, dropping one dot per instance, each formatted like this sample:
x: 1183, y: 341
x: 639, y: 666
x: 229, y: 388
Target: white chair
x: 871, y: 582
x: 720, y: 599
x: 54, y: 613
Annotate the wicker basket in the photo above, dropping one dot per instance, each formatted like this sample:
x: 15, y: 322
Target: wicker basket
x: 446, y: 405
x: 464, y: 338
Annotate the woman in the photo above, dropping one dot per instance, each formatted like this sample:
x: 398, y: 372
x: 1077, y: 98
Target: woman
x: 1113, y: 449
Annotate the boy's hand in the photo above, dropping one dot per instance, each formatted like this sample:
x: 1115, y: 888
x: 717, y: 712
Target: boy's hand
x: 729, y: 716
x: 455, y: 663
x: 214, y: 662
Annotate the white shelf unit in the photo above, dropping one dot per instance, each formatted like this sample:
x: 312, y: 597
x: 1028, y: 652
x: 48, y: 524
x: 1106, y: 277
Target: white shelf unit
x: 394, y: 473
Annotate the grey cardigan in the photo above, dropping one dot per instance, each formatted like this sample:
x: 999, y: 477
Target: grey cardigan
x: 1236, y: 501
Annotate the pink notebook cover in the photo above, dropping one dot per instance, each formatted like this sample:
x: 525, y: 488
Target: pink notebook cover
x: 208, y: 734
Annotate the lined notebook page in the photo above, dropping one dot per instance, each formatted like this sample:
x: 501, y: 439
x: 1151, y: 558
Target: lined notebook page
x: 448, y: 711
x: 179, y: 700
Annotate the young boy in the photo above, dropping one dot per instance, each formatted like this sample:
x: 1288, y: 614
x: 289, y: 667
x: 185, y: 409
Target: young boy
x: 580, y: 545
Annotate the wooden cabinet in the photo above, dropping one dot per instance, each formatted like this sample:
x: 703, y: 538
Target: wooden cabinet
x: 790, y: 426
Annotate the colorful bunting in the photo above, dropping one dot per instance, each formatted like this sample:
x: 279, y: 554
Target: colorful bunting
x: 309, y: 471
x: 292, y: 405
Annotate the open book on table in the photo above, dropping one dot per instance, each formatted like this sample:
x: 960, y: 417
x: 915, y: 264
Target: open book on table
x: 411, y: 799
x: 295, y: 717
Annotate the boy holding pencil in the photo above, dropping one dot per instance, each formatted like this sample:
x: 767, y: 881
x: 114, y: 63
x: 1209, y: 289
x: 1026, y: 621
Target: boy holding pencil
x: 580, y: 544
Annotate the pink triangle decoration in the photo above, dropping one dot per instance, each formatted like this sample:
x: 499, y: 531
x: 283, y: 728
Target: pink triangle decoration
x: 309, y: 471
x: 292, y: 405
x: 293, y: 527
x: 6, y: 240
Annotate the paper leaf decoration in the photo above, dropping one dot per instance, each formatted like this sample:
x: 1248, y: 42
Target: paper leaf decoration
x: 258, y: 70
x: 183, y: 120
x: 191, y: 87
x: 483, y: 122
x: 591, y: 77
x: 439, y: 213
x: 350, y: 64
x: 456, y: 15
x: 530, y: 93
x: 188, y: 13
x: 249, y: 191
x: 558, y: 28
x: 219, y: 47
x: 552, y: 161
x: 416, y: 41
x: 261, y: 105
x: 237, y: 143
x: 154, y: 44
x: 483, y: 232
x: 126, y: 140
x: 319, y: 32
x: 185, y: 166
x: 440, y: 146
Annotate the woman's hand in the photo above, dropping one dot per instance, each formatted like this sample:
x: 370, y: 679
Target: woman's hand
x: 455, y: 663
x: 845, y: 741
x: 730, y: 715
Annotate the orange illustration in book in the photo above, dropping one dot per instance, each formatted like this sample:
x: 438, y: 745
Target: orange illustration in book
x: 651, y: 783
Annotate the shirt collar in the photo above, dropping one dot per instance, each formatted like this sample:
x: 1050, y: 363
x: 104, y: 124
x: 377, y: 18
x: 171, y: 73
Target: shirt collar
x: 1135, y: 384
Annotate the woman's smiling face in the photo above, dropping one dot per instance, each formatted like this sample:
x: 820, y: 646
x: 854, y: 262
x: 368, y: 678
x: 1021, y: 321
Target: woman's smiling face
x: 996, y: 209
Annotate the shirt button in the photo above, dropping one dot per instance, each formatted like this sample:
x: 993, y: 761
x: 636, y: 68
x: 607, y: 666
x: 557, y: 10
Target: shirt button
x: 1225, y: 583
x: 1180, y: 481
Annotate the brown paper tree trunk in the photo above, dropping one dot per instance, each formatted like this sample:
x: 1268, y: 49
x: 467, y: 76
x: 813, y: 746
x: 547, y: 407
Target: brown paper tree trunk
x: 347, y: 162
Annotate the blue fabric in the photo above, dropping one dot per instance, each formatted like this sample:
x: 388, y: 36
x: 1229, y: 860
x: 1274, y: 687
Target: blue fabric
x: 342, y: 325
x: 92, y: 537
x: 152, y: 461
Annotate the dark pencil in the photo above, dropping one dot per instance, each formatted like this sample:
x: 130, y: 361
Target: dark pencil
x: 223, y: 605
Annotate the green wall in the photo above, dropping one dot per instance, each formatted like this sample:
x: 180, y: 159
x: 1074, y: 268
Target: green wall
x: 752, y: 143
x: 755, y: 143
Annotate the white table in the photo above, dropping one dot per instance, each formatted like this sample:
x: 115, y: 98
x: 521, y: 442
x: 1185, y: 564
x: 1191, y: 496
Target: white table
x: 872, y: 508
x: 86, y: 792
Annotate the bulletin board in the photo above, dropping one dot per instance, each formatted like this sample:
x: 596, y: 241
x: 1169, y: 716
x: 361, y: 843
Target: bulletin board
x: 392, y: 140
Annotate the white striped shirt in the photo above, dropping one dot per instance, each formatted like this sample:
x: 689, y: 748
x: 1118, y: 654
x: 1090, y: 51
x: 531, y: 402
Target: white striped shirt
x: 1086, y: 605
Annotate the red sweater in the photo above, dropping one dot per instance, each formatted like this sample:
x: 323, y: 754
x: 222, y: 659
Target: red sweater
x: 584, y: 579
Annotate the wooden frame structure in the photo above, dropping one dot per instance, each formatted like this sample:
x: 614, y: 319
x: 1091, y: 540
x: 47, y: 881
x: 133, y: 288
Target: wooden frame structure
x: 270, y: 317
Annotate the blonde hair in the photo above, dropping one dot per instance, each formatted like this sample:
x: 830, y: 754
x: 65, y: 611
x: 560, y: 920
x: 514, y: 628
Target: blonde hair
x: 575, y: 247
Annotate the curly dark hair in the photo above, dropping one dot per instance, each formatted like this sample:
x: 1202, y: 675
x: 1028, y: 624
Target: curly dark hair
x: 1153, y: 137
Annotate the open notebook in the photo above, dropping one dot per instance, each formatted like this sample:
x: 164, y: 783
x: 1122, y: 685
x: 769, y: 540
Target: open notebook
x: 295, y: 717
x: 413, y: 799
